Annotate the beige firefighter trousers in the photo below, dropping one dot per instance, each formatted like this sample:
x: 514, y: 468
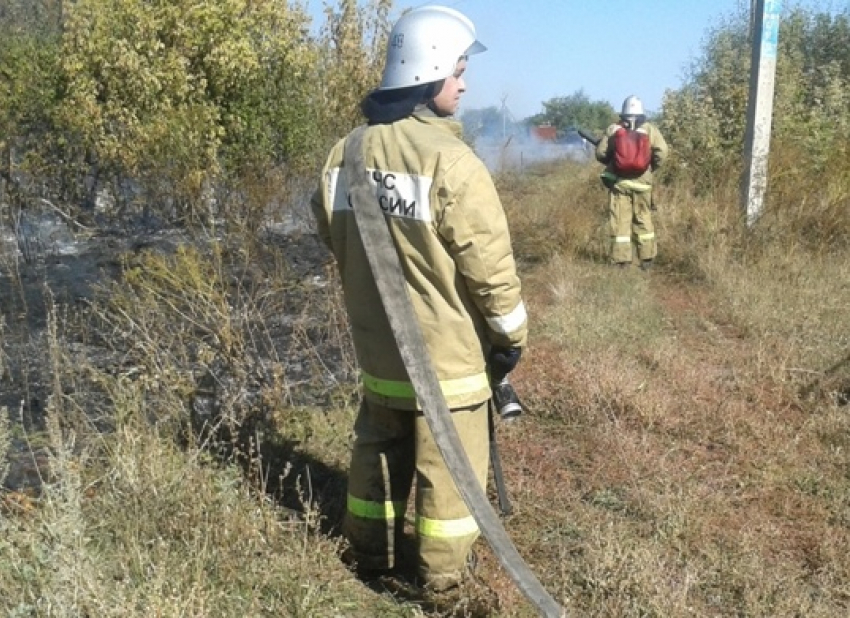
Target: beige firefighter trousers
x: 630, y: 220
x: 390, y: 448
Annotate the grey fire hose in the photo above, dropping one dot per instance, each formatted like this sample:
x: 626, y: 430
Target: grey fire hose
x: 386, y: 269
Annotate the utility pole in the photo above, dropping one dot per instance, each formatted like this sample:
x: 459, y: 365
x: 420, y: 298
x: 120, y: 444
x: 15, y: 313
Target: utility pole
x: 764, y: 28
x: 504, y: 117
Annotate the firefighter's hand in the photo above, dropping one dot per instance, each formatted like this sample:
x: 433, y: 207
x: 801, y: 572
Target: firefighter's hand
x: 502, y: 361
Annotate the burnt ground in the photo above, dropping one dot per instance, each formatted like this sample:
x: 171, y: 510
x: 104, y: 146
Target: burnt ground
x: 44, y: 284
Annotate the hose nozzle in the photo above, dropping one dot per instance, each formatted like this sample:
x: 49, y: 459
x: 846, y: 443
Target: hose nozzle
x: 506, y: 400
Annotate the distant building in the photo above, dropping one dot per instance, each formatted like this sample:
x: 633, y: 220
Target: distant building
x: 544, y: 132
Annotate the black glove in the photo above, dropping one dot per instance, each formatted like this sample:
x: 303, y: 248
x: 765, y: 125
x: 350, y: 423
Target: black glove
x: 502, y: 361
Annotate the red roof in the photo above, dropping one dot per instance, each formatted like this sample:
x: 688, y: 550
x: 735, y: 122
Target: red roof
x: 546, y: 132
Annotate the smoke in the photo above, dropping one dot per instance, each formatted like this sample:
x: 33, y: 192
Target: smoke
x: 518, y: 152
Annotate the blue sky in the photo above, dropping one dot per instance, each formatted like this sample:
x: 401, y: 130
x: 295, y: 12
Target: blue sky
x: 541, y: 49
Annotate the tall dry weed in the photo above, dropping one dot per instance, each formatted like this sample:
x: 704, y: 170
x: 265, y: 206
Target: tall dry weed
x: 3, y: 361
x: 554, y: 209
x: 239, y: 354
x: 5, y: 443
x: 135, y: 525
x: 175, y: 321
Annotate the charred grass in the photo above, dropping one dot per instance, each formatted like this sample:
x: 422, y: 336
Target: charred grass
x: 684, y: 450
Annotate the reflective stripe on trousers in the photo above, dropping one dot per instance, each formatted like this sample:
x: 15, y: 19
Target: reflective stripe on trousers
x: 390, y: 447
x: 630, y: 221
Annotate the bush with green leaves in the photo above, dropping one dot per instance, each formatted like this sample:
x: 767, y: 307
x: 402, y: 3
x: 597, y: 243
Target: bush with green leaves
x: 705, y: 120
x: 352, y: 46
x: 172, y: 93
x: 188, y: 109
x: 29, y: 88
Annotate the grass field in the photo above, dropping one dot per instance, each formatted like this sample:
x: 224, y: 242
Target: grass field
x: 685, y: 449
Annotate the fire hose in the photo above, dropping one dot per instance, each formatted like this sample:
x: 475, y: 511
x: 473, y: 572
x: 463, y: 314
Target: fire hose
x: 392, y: 286
x: 589, y: 136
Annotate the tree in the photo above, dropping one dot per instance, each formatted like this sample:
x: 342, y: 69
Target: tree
x: 576, y: 111
x: 184, y: 106
x: 352, y: 47
x: 705, y: 120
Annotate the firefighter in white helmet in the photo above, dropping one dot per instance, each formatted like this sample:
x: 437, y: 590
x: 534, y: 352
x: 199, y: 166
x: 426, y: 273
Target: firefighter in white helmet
x: 452, y: 237
x: 632, y: 150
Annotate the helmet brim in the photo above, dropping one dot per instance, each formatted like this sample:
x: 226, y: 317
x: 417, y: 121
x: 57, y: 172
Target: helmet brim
x: 476, y: 48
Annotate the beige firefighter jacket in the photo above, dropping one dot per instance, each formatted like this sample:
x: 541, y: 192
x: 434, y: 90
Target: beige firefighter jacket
x: 452, y: 237
x: 604, y: 154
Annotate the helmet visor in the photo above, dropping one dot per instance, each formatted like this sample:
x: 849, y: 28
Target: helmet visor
x: 476, y: 48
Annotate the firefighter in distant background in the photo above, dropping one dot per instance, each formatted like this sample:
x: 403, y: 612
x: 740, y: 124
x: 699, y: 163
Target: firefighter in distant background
x: 632, y: 150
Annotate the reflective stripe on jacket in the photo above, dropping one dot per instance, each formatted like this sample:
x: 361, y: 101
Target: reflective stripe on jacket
x: 452, y: 237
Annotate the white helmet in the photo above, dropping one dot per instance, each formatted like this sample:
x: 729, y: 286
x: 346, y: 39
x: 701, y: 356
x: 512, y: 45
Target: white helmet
x: 425, y: 45
x: 632, y: 106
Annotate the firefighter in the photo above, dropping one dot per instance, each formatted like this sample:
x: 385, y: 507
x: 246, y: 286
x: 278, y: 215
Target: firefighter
x: 630, y: 202
x: 452, y: 237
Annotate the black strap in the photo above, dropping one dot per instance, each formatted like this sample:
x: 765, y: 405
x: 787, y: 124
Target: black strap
x: 390, y: 280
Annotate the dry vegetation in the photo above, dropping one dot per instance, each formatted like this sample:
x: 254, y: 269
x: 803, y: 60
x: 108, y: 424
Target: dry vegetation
x: 684, y: 452
x: 688, y: 449
x: 176, y: 405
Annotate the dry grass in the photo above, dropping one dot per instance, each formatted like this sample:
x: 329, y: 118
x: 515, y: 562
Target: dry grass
x: 5, y: 443
x: 684, y: 451
x: 133, y: 525
x: 137, y: 515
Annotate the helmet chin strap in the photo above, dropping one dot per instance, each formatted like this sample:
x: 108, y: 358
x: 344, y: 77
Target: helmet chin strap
x: 433, y: 91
